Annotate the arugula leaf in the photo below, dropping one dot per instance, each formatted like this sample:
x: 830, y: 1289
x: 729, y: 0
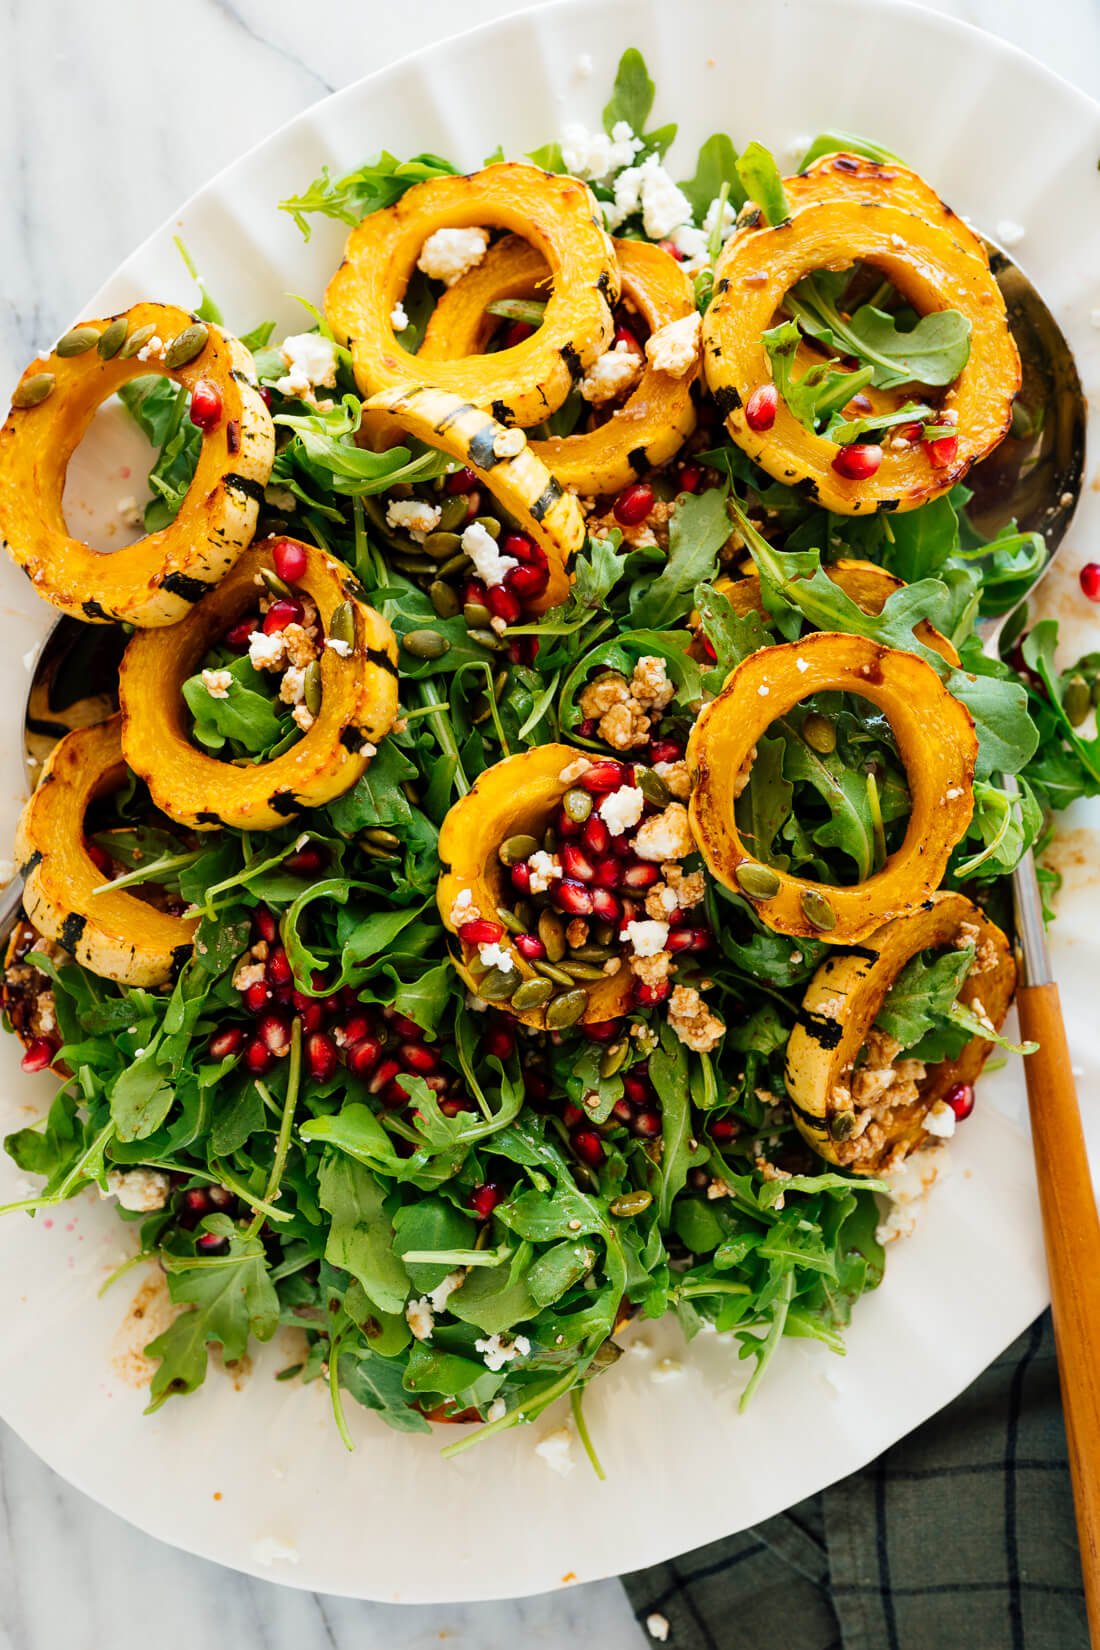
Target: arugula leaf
x: 821, y: 388
x: 632, y: 94
x: 762, y: 183
x: 844, y: 143
x: 699, y: 528
x: 933, y: 352
x: 923, y: 994
x: 716, y: 165
x: 157, y: 405
x: 376, y: 184
x: 247, y: 717
x: 361, y: 1238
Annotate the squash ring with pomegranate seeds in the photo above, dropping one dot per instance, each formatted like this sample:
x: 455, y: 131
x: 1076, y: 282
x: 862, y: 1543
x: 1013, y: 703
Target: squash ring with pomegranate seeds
x: 503, y: 462
x: 522, y: 385
x: 659, y: 415
x: 839, y: 1009
x: 935, y: 737
x: 158, y: 580
x: 758, y: 268
x: 115, y: 934
x: 518, y: 795
x: 358, y: 704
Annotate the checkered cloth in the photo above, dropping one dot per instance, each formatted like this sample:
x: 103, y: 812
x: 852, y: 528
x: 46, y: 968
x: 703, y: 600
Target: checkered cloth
x: 961, y: 1537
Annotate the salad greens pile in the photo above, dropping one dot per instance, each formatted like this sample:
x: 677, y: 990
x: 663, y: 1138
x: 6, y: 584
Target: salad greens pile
x: 304, y: 1202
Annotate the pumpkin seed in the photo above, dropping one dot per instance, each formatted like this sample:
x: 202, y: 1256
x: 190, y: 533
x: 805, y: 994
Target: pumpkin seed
x: 33, y: 391
x: 532, y: 994
x: 444, y: 598
x: 1076, y: 700
x: 758, y: 881
x: 425, y: 644
x: 488, y: 639
x: 549, y: 971
x: 490, y: 524
x: 516, y: 848
x: 652, y: 787
x: 525, y: 913
x: 77, y: 341
x: 441, y: 545
x: 112, y: 338
x: 841, y: 1124
x: 577, y: 805
x: 455, y: 564
x: 417, y: 567
x: 452, y: 514
x: 817, y: 910
x: 341, y: 627
x: 591, y: 953
x: 509, y: 920
x: 380, y: 838
x: 137, y: 340
x: 603, y: 932
x: 498, y: 985
x: 550, y: 840
x: 186, y: 345
x: 476, y: 614
x: 566, y: 1010
x: 582, y: 970
x: 631, y: 1203
x: 614, y: 1058
x: 276, y: 585
x: 819, y: 733
x: 552, y: 935
x: 372, y: 849
x: 311, y: 687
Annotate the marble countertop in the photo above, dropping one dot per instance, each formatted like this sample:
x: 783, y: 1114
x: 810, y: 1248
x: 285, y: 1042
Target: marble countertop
x: 129, y: 130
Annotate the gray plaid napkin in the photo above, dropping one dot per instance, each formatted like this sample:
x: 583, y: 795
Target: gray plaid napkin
x: 961, y: 1537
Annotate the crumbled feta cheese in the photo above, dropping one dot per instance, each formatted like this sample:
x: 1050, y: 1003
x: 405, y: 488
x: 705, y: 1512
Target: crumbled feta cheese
x: 594, y: 155
x: 694, y: 244
x: 573, y: 770
x: 269, y: 1550
x: 153, y: 350
x: 414, y: 516
x: 647, y: 937
x: 692, y: 1021
x: 442, y: 1292
x: 667, y: 836
x: 494, y: 955
x: 217, y: 683
x: 310, y: 362
x: 302, y: 717
x: 675, y: 348
x: 341, y: 648
x: 398, y: 319
x: 463, y: 909
x: 509, y: 443
x: 648, y: 188
x: 940, y: 1120
x: 448, y: 254
x: 420, y: 1318
x: 292, y: 688
x: 1010, y: 233
x: 481, y: 547
x: 498, y: 1350
x: 763, y: 690
x: 656, y: 1625
x: 280, y: 498
x: 909, y: 1186
x: 266, y: 652
x: 556, y: 1449
x: 544, y: 868
x: 666, y: 1369
x: 622, y: 809
x: 140, y: 1190
x: 128, y: 510
x: 612, y: 373
x: 802, y: 666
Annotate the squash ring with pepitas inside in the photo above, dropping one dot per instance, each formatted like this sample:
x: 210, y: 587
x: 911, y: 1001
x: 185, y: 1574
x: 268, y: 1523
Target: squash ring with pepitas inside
x: 503, y: 462
x: 932, y: 271
x: 516, y: 796
x: 556, y: 214
x: 116, y: 935
x: 937, y: 745
x: 839, y: 1009
x: 869, y: 586
x: 157, y: 580
x: 358, y: 704
x: 659, y: 415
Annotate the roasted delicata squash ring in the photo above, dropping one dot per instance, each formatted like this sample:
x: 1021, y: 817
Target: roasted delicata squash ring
x: 869, y: 586
x: 880, y: 183
x: 558, y: 215
x: 358, y: 704
x: 839, y: 1009
x: 659, y: 415
x: 116, y: 935
x: 504, y: 464
x: 516, y: 796
x: 159, y: 579
x: 937, y: 745
x: 929, y: 268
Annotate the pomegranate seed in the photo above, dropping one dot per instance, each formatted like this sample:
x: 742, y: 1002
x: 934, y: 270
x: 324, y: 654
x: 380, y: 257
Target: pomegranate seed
x: 586, y: 727
x: 239, y: 634
x: 290, y: 559
x: 647, y: 1125
x: 520, y: 877
x: 349, y: 999
x: 530, y: 947
x: 516, y: 332
x: 523, y: 547
x: 623, y: 1110
x: 908, y: 432
x: 503, y: 603
x: 536, y: 1085
x: 265, y: 395
x: 706, y: 648
x: 256, y: 997
x: 677, y: 917
x: 665, y: 750
x: 573, y: 898
x: 642, y: 875
x: 607, y: 873
x: 384, y: 1074
x: 1089, y: 578
x: 572, y: 1115
x: 723, y: 1128
x: 278, y: 970
x: 285, y: 611
x: 858, y: 462
x: 196, y: 1201
x: 417, y: 1057
x: 321, y: 1056
x: 404, y: 1027
x: 604, y: 904
x: 480, y: 932
x: 601, y: 1031
x: 312, y: 1015
x: 626, y: 335
x: 394, y: 1096
x: 474, y: 593
x: 672, y: 249
x: 961, y: 1100
x: 688, y: 939
x: 258, y: 1057
x: 621, y: 848
x: 306, y: 862
x: 499, y: 1041
x: 648, y: 995
x: 460, y: 481
x: 221, y: 1197
x: 265, y: 924
x: 574, y: 863
x: 637, y: 1089
x: 564, y: 826
x: 362, y: 1057
x: 588, y: 1147
x: 38, y: 1054
x: 761, y: 407
x: 355, y: 1029
x: 473, y: 504
x: 606, y: 776
x: 527, y: 582
x: 691, y: 476
x: 211, y: 1243
x: 484, y: 1199
x: 524, y: 650
x: 206, y: 406
x: 595, y: 835
x: 100, y: 858
x: 274, y: 1033
x: 224, y: 1043
x: 942, y: 452
x: 634, y: 504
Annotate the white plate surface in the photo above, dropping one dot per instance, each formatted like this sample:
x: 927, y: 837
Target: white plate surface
x: 252, y: 1474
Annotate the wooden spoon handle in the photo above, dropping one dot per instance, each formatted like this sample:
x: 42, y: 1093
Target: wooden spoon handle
x: 1072, y: 1232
